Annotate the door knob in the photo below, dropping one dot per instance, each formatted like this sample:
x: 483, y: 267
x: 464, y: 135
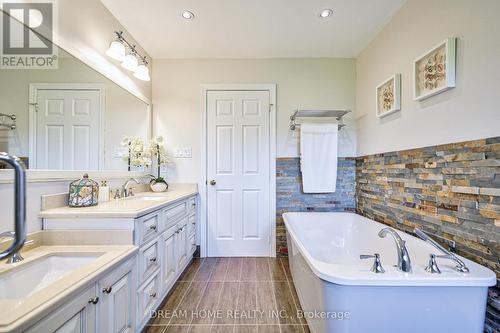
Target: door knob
x: 213, y: 182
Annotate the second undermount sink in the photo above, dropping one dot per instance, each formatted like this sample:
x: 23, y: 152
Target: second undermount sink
x: 147, y: 198
x: 40, y: 273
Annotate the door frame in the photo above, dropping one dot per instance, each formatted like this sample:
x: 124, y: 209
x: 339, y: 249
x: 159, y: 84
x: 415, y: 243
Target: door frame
x: 202, y: 183
x: 33, y: 109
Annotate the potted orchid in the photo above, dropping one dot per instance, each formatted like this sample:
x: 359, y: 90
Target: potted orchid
x: 156, y: 151
x: 136, y: 157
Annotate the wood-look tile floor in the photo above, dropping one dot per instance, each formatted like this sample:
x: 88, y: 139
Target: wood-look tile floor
x: 232, y: 295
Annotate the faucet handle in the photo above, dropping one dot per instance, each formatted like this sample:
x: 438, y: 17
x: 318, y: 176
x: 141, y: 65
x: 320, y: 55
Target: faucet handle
x: 377, y: 264
x: 131, y: 192
x: 432, y: 266
x: 117, y: 194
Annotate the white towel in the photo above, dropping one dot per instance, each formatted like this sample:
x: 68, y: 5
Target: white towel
x: 318, y: 157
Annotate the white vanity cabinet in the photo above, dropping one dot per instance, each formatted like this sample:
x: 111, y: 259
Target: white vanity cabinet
x: 165, y: 249
x: 76, y: 316
x: 108, y: 305
x: 166, y: 238
x: 117, y: 299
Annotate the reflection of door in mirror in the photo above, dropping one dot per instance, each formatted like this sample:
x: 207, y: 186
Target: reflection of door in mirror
x: 65, y: 129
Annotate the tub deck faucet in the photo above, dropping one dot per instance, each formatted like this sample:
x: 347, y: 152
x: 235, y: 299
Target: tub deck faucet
x: 404, y: 262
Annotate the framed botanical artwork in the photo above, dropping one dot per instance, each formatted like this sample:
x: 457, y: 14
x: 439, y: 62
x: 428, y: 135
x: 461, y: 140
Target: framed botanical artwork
x: 434, y: 72
x: 389, y: 96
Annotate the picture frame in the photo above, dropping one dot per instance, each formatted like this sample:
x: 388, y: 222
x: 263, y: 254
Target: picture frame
x: 388, y: 96
x: 434, y: 71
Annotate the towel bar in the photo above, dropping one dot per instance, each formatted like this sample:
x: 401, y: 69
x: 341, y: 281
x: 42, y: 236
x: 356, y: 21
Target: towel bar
x: 338, y: 114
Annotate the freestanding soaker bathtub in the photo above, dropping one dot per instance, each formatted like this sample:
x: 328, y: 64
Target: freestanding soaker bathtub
x: 339, y: 293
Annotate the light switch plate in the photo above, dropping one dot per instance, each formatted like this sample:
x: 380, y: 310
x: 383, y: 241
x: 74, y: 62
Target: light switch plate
x: 120, y: 152
x: 183, y: 152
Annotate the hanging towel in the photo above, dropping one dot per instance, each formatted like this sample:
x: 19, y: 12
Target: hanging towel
x: 318, y: 157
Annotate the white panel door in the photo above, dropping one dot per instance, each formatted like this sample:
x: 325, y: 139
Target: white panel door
x: 67, y: 129
x: 238, y: 132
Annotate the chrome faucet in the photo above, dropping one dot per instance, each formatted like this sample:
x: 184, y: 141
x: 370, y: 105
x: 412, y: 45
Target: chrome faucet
x: 19, y: 233
x: 432, y: 266
x: 125, y: 188
x: 16, y: 256
x: 404, y: 262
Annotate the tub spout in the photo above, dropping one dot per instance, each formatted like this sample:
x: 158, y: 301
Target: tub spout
x: 404, y: 262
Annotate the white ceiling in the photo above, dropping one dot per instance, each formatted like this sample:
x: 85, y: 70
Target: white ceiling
x: 253, y: 28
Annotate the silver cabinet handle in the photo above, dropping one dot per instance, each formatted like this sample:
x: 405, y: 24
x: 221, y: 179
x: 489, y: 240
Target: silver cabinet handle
x: 152, y: 294
x: 94, y: 300
x: 153, y: 259
x: 152, y: 227
x: 213, y: 182
x: 107, y: 290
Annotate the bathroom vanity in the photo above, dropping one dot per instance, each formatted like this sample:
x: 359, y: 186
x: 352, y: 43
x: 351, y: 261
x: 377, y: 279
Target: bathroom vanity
x: 163, y: 227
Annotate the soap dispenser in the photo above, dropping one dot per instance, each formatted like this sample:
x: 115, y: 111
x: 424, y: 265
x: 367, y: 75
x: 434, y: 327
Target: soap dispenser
x: 104, y: 194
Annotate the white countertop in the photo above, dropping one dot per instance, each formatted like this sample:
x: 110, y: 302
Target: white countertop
x: 132, y: 207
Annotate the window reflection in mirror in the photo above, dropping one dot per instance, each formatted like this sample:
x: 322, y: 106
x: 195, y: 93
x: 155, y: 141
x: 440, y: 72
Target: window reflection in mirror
x: 68, y: 118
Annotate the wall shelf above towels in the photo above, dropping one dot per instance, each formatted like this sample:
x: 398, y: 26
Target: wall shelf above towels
x: 337, y: 114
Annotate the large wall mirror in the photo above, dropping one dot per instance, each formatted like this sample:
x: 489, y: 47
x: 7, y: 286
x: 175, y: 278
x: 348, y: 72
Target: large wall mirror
x: 68, y: 118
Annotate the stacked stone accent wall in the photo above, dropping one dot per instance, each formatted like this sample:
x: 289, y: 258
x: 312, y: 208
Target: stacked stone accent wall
x: 291, y: 198
x: 450, y: 191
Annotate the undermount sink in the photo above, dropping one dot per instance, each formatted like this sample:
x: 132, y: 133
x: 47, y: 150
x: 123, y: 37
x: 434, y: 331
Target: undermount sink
x: 147, y: 198
x: 40, y: 273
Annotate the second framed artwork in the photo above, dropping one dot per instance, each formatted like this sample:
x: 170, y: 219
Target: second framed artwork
x: 388, y: 96
x: 434, y: 72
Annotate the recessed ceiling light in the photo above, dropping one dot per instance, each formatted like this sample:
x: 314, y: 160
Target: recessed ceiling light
x: 325, y: 13
x: 188, y: 15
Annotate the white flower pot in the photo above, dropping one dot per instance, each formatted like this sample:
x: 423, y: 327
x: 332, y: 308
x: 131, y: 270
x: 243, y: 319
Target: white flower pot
x: 158, y: 187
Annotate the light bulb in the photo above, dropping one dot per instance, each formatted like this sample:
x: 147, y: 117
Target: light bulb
x: 116, y: 50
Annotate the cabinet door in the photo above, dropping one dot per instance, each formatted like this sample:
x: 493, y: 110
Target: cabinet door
x: 118, y: 299
x: 78, y: 315
x: 169, y: 267
x: 181, y: 244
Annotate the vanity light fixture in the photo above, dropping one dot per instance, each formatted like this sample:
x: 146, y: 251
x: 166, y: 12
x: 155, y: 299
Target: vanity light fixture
x: 187, y: 15
x: 325, y: 13
x: 142, y: 71
x: 132, y: 61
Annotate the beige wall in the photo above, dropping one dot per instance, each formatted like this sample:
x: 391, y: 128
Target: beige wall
x: 301, y: 83
x: 469, y: 111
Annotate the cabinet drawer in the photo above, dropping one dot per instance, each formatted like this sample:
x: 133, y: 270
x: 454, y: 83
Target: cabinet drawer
x: 148, y: 297
x: 191, y: 224
x: 148, y: 227
x: 149, y: 260
x: 192, y: 204
x: 171, y: 214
